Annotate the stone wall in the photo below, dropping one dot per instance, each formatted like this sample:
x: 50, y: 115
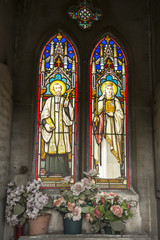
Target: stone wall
x: 8, y: 21
x: 130, y: 22
x: 5, y: 136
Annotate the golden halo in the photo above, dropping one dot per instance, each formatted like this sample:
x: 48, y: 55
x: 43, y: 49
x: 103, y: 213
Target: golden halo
x: 109, y: 83
x: 61, y: 83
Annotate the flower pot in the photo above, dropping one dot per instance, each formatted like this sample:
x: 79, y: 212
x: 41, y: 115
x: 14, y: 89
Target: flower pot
x: 108, y: 230
x: 19, y: 231
x: 39, y: 225
x: 72, y: 227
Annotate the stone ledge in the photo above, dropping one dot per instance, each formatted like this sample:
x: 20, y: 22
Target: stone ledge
x: 86, y: 237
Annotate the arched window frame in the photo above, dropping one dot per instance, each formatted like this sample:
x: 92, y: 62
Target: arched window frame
x: 107, y: 183
x: 75, y: 169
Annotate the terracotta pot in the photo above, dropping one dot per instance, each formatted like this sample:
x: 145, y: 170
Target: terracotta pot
x: 39, y: 225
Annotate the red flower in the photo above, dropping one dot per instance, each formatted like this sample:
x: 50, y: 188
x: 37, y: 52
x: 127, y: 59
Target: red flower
x: 103, y: 200
x: 128, y: 206
x: 97, y: 212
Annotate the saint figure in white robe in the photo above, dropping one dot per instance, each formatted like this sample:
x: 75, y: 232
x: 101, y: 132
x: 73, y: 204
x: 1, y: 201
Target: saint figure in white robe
x: 108, y: 129
x: 56, y: 117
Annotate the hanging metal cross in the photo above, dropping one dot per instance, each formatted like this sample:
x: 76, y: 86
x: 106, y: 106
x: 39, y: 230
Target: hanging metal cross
x: 85, y: 14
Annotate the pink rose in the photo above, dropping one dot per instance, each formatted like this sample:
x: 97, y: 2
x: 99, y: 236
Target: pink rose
x: 77, y: 188
x: 87, y: 183
x: 77, y: 213
x: 89, y: 218
x: 59, y: 201
x: 67, y: 179
x: 117, y: 210
x: 71, y: 206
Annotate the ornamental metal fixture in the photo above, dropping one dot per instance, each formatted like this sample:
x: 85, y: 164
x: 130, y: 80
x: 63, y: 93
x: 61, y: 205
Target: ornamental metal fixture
x: 85, y: 14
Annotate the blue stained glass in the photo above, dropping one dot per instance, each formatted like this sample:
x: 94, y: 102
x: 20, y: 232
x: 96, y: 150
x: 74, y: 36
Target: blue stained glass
x: 102, y: 81
x: 99, y: 92
x: 58, y: 77
x: 71, y: 55
x: 118, y: 92
x: 55, y: 39
x: 47, y: 65
x: 47, y: 92
x: 115, y: 81
x: 109, y: 78
x: 111, y: 42
x: 63, y: 40
x: 98, y: 66
x: 119, y: 68
x: 69, y: 65
x: 96, y: 53
x: 46, y: 54
x: 96, y: 56
x: 104, y: 42
x: 119, y: 53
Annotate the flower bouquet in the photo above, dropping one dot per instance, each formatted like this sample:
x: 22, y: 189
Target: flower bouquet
x: 108, y: 212
x: 73, y: 200
x: 25, y: 202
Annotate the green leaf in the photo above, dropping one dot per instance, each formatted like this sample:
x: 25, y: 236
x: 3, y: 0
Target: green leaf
x: 101, y: 209
x: 86, y: 209
x: 69, y: 194
x: 109, y: 216
x: 82, y: 196
x: 96, y: 227
x: 25, y: 195
x: 18, y: 209
x: 25, y: 215
x: 50, y: 203
x: 118, y: 226
x: 87, y: 192
x: 22, y: 221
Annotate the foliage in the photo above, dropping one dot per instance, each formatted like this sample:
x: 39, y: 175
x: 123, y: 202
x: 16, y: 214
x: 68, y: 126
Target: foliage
x: 24, y: 202
x: 105, y: 209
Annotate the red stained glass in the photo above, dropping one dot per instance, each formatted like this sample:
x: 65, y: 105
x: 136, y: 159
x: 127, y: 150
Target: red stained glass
x: 38, y: 113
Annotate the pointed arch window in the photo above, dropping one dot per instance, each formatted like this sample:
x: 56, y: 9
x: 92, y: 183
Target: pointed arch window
x: 108, y: 127
x: 56, y: 138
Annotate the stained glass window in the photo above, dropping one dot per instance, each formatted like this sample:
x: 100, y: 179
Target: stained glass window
x: 108, y: 150
x: 85, y: 14
x: 56, y: 138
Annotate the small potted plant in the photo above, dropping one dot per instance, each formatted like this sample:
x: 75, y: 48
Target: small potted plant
x: 15, y: 208
x: 73, y: 200
x: 25, y: 203
x: 108, y: 213
x: 36, y: 207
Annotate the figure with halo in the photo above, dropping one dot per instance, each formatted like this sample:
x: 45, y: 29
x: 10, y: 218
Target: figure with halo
x: 108, y: 131
x: 56, y: 117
